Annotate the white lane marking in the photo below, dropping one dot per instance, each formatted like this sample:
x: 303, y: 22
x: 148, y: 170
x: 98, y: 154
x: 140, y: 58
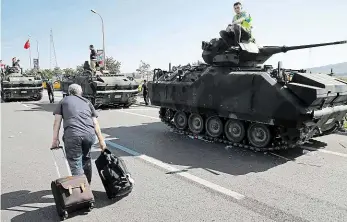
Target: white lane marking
x: 111, y: 138
x: 22, y: 209
x: 134, y: 108
x: 169, y: 168
x: 136, y: 114
x: 324, y: 151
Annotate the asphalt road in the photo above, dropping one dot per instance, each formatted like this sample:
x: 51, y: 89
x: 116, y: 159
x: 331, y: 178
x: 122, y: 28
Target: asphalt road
x: 176, y: 178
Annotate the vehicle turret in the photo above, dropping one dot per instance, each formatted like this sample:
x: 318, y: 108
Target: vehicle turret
x: 247, y: 54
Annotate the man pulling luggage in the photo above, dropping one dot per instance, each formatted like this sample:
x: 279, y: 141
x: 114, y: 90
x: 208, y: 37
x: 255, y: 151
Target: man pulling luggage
x: 80, y: 127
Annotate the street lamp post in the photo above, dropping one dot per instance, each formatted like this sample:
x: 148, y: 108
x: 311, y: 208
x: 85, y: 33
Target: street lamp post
x: 103, y: 37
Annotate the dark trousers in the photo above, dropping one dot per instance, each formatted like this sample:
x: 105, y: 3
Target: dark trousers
x: 145, y: 98
x: 78, y: 154
x: 51, y: 96
x: 236, y: 36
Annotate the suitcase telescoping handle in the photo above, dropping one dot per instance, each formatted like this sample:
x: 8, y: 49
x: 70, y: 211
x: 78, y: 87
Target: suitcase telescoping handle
x: 65, y: 160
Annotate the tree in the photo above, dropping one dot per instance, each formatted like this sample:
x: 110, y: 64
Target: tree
x: 144, y: 69
x: 197, y: 63
x: 69, y: 71
x: 46, y: 73
x: 30, y: 72
x: 57, y: 72
x: 112, y: 65
x: 79, y: 69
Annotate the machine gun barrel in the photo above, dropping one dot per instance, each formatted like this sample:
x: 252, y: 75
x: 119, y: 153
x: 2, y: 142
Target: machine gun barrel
x: 270, y: 50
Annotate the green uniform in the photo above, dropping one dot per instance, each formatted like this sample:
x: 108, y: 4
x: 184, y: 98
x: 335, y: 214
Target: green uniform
x: 247, y: 23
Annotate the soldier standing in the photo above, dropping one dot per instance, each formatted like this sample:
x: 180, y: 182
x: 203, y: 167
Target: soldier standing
x: 50, y: 91
x: 92, y: 57
x: 145, y: 91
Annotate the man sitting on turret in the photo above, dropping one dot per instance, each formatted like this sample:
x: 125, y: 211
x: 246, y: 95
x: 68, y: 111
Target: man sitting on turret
x: 14, y: 59
x: 240, y: 28
x: 16, y: 64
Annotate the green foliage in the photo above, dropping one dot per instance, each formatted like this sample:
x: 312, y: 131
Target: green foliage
x: 144, y: 69
x: 46, y: 73
x: 79, y: 69
x: 29, y: 72
x: 69, y: 71
x: 197, y: 63
x: 113, y: 65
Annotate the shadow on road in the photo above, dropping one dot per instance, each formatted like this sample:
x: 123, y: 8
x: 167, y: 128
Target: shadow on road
x: 50, y: 107
x: 43, y: 107
x: 25, y: 199
x: 157, y: 141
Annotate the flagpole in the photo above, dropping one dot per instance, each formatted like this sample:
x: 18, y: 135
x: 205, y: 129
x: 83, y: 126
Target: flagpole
x: 38, y: 55
x: 29, y: 52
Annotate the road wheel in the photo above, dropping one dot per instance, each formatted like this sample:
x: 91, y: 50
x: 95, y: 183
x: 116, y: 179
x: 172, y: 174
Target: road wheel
x: 169, y: 114
x: 5, y: 100
x: 126, y: 106
x: 259, y: 135
x: 214, y: 126
x: 38, y: 98
x: 234, y: 130
x: 180, y: 120
x: 196, y: 123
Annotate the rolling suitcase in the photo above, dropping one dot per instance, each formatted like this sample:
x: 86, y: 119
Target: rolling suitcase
x: 71, y: 193
x: 114, y: 175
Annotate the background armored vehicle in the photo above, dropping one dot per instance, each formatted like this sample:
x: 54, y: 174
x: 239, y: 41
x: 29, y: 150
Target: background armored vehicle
x: 17, y: 86
x: 232, y: 99
x: 104, y: 88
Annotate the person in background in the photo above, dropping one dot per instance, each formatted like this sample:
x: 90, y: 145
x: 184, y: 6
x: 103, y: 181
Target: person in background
x: 145, y: 92
x: 14, y: 59
x: 93, y: 58
x: 16, y: 64
x: 80, y: 126
x: 50, y: 90
x: 2, y: 67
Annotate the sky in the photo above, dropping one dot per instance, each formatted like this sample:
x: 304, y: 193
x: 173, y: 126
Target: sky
x: 163, y: 31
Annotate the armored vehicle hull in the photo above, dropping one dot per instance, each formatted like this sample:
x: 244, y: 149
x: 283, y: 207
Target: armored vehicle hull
x: 250, y: 108
x: 15, y: 86
x: 236, y: 100
x: 105, y: 90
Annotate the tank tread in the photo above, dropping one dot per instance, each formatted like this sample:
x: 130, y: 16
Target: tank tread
x: 243, y: 144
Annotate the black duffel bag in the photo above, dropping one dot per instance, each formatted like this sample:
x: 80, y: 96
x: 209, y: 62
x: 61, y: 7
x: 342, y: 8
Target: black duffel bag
x: 114, y: 175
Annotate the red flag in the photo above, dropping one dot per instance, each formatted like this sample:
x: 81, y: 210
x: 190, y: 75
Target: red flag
x: 27, y: 44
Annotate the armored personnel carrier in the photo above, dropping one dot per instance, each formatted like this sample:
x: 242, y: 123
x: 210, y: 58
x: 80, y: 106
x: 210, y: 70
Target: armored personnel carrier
x: 17, y: 86
x: 236, y: 100
x: 103, y: 88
